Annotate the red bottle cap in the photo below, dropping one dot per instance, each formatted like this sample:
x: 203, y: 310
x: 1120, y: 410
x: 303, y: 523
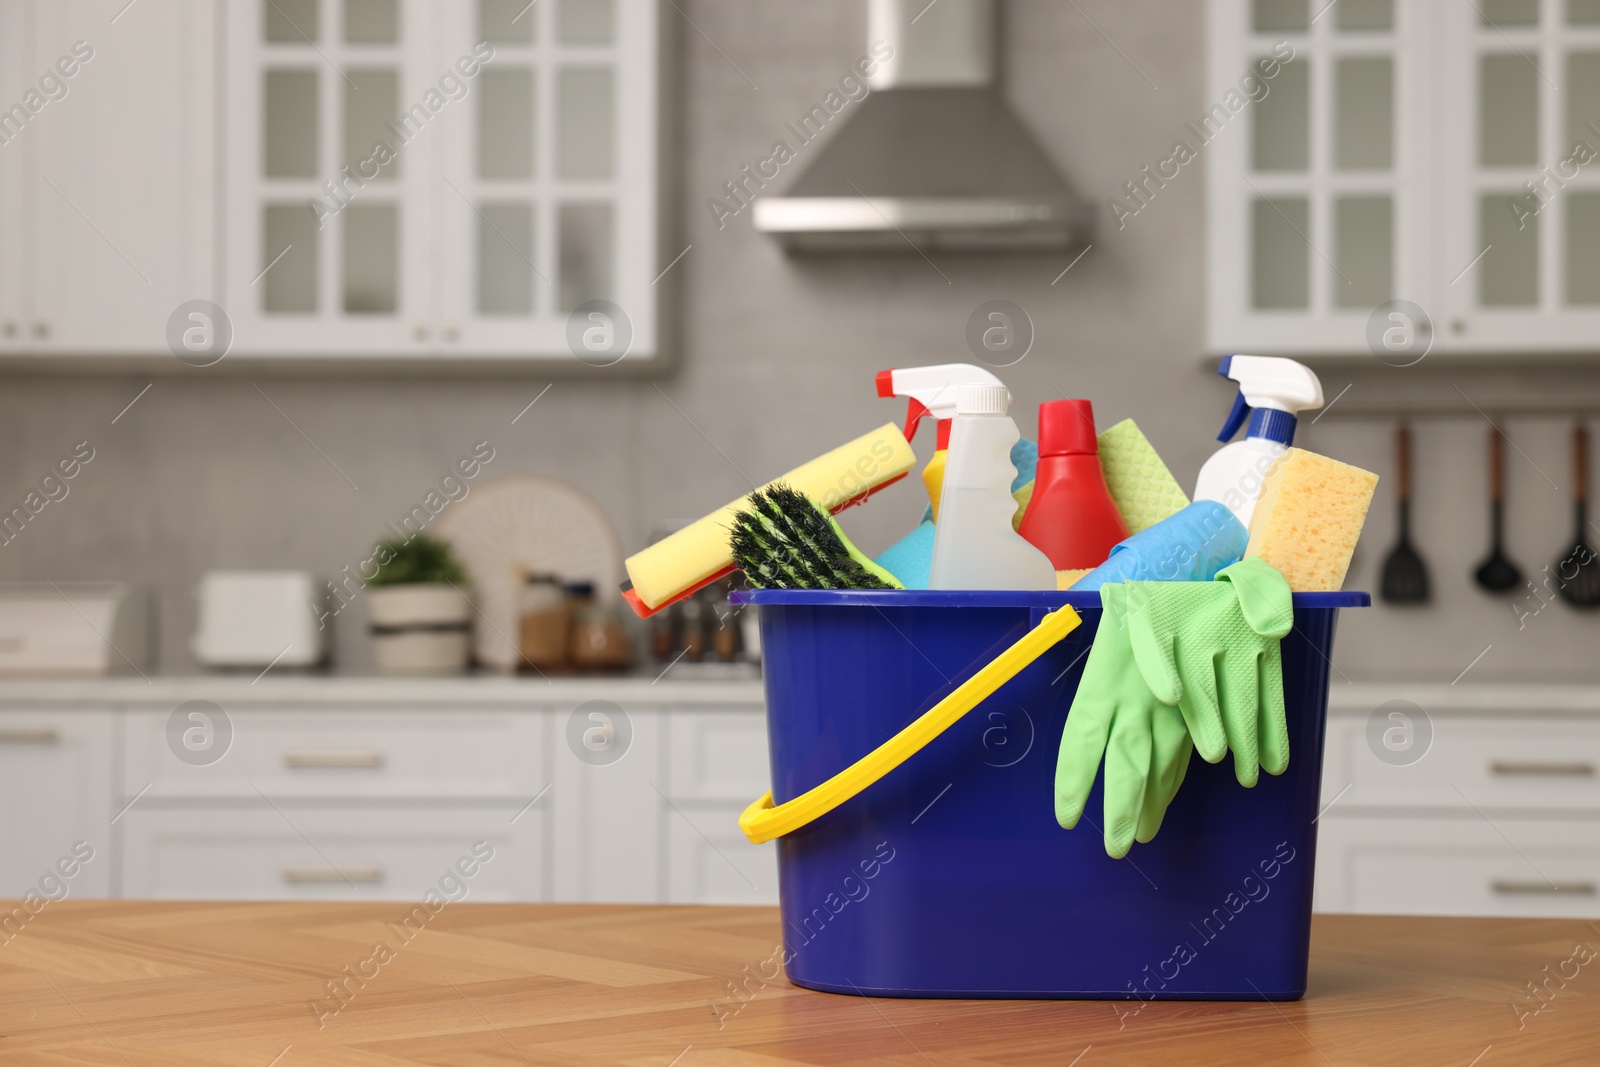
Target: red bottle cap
x: 1066, y: 428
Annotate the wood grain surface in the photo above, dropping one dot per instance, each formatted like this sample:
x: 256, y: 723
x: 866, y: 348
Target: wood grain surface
x: 248, y: 985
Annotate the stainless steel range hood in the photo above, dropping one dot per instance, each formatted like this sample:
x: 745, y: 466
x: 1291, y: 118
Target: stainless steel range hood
x: 931, y: 158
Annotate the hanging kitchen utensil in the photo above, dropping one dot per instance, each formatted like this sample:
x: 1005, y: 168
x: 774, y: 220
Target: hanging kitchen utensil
x: 1497, y: 573
x: 1577, y: 572
x: 1405, y: 576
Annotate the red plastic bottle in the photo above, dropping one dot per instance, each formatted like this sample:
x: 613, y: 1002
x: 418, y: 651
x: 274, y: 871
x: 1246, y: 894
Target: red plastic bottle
x: 1071, y: 517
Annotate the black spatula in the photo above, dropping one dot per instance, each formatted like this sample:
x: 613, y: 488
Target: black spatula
x: 1578, y: 570
x: 1405, y: 576
x: 1497, y: 573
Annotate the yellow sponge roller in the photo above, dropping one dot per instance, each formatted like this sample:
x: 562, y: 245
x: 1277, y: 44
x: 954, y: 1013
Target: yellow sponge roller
x: 699, y: 552
x: 1309, y: 517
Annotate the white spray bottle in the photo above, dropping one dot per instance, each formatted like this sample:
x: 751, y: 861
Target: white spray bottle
x: 1272, y: 390
x: 975, y: 546
x: 932, y: 391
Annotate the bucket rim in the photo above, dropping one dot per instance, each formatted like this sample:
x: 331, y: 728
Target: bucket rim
x: 984, y: 598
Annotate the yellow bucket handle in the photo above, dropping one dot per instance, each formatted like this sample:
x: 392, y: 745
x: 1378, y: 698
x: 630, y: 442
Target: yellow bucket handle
x: 762, y: 821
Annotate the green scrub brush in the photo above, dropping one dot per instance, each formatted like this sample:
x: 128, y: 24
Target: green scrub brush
x: 785, y: 540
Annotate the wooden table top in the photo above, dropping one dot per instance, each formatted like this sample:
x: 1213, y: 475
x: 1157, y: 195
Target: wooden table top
x: 140, y: 984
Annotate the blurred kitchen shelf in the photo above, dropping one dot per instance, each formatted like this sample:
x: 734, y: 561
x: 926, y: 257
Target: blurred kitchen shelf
x: 1448, y: 387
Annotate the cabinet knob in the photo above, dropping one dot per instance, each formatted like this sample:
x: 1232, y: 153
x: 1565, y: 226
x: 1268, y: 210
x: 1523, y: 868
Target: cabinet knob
x: 41, y: 329
x: 1576, y: 769
x: 419, y: 333
x: 29, y: 737
x: 8, y: 328
x: 333, y: 759
x: 451, y: 333
x: 1576, y: 889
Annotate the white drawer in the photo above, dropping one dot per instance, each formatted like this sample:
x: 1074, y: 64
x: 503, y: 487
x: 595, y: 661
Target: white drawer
x: 1493, y: 763
x: 717, y: 755
x: 1459, y: 866
x: 710, y: 861
x: 347, y: 754
x: 326, y: 854
x: 55, y: 791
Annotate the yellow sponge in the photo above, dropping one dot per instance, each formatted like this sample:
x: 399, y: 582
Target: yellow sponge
x: 1067, y: 579
x: 1309, y: 517
x: 699, y: 552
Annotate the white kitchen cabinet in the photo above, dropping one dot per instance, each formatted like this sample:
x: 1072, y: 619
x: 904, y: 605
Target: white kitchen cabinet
x: 711, y: 862
x: 334, y: 853
x: 348, y: 788
x: 16, y: 171
x: 55, y: 790
x: 1463, y: 865
x: 1523, y: 186
x: 607, y: 839
x: 309, y: 754
x: 1318, y: 163
x: 1386, y: 161
x: 415, y: 179
x: 1511, y: 762
x: 328, y: 244
x: 1495, y: 811
x: 717, y: 765
x: 123, y: 173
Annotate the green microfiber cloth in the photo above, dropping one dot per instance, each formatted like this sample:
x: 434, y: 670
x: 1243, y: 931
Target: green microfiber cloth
x: 1144, y: 491
x: 786, y: 540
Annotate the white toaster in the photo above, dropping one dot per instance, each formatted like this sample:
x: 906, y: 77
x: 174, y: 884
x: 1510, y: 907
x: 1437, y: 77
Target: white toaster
x: 260, y: 618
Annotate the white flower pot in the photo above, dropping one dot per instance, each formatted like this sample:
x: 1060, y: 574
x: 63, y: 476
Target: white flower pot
x: 419, y: 629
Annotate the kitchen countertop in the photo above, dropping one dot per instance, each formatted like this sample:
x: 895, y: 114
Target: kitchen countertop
x: 244, y: 984
x: 677, y: 686
x: 670, y: 689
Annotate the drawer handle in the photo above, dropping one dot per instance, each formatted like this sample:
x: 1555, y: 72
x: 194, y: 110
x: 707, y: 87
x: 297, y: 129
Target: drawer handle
x: 1566, y: 889
x: 361, y: 875
x: 1545, y: 770
x: 29, y: 737
x: 333, y: 759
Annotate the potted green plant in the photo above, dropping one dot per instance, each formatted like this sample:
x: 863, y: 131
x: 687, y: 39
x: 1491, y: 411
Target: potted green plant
x: 417, y: 608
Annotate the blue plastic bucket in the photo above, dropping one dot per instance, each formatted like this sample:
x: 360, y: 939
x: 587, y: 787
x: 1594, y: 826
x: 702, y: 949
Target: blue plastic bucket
x: 950, y: 877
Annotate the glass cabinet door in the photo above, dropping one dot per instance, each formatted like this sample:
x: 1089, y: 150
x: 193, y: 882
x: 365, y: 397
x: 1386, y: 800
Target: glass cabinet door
x: 548, y: 192
x: 1312, y: 142
x: 442, y: 178
x: 333, y: 121
x: 1522, y: 178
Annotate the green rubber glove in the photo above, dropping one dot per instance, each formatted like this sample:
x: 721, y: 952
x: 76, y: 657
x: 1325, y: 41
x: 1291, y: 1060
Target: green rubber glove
x: 1212, y: 648
x: 1144, y: 742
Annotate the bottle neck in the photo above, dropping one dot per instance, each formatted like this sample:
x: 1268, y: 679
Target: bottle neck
x: 1272, y: 425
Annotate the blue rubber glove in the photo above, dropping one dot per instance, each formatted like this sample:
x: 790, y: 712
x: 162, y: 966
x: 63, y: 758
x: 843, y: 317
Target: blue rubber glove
x: 1190, y: 546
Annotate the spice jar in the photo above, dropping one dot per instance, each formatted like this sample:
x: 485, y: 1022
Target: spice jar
x: 725, y: 635
x: 543, y: 623
x: 693, y: 633
x: 598, y: 641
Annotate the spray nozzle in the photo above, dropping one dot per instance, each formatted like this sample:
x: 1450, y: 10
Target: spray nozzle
x: 1236, y: 417
x: 1271, y: 391
x: 931, y: 390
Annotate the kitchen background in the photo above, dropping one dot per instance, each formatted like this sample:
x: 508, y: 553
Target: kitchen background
x: 775, y: 356
x: 772, y: 357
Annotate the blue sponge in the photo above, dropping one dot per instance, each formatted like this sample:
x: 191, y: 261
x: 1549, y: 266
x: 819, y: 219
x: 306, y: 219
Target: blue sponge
x: 1190, y: 546
x: 1024, y: 457
x: 910, y: 559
